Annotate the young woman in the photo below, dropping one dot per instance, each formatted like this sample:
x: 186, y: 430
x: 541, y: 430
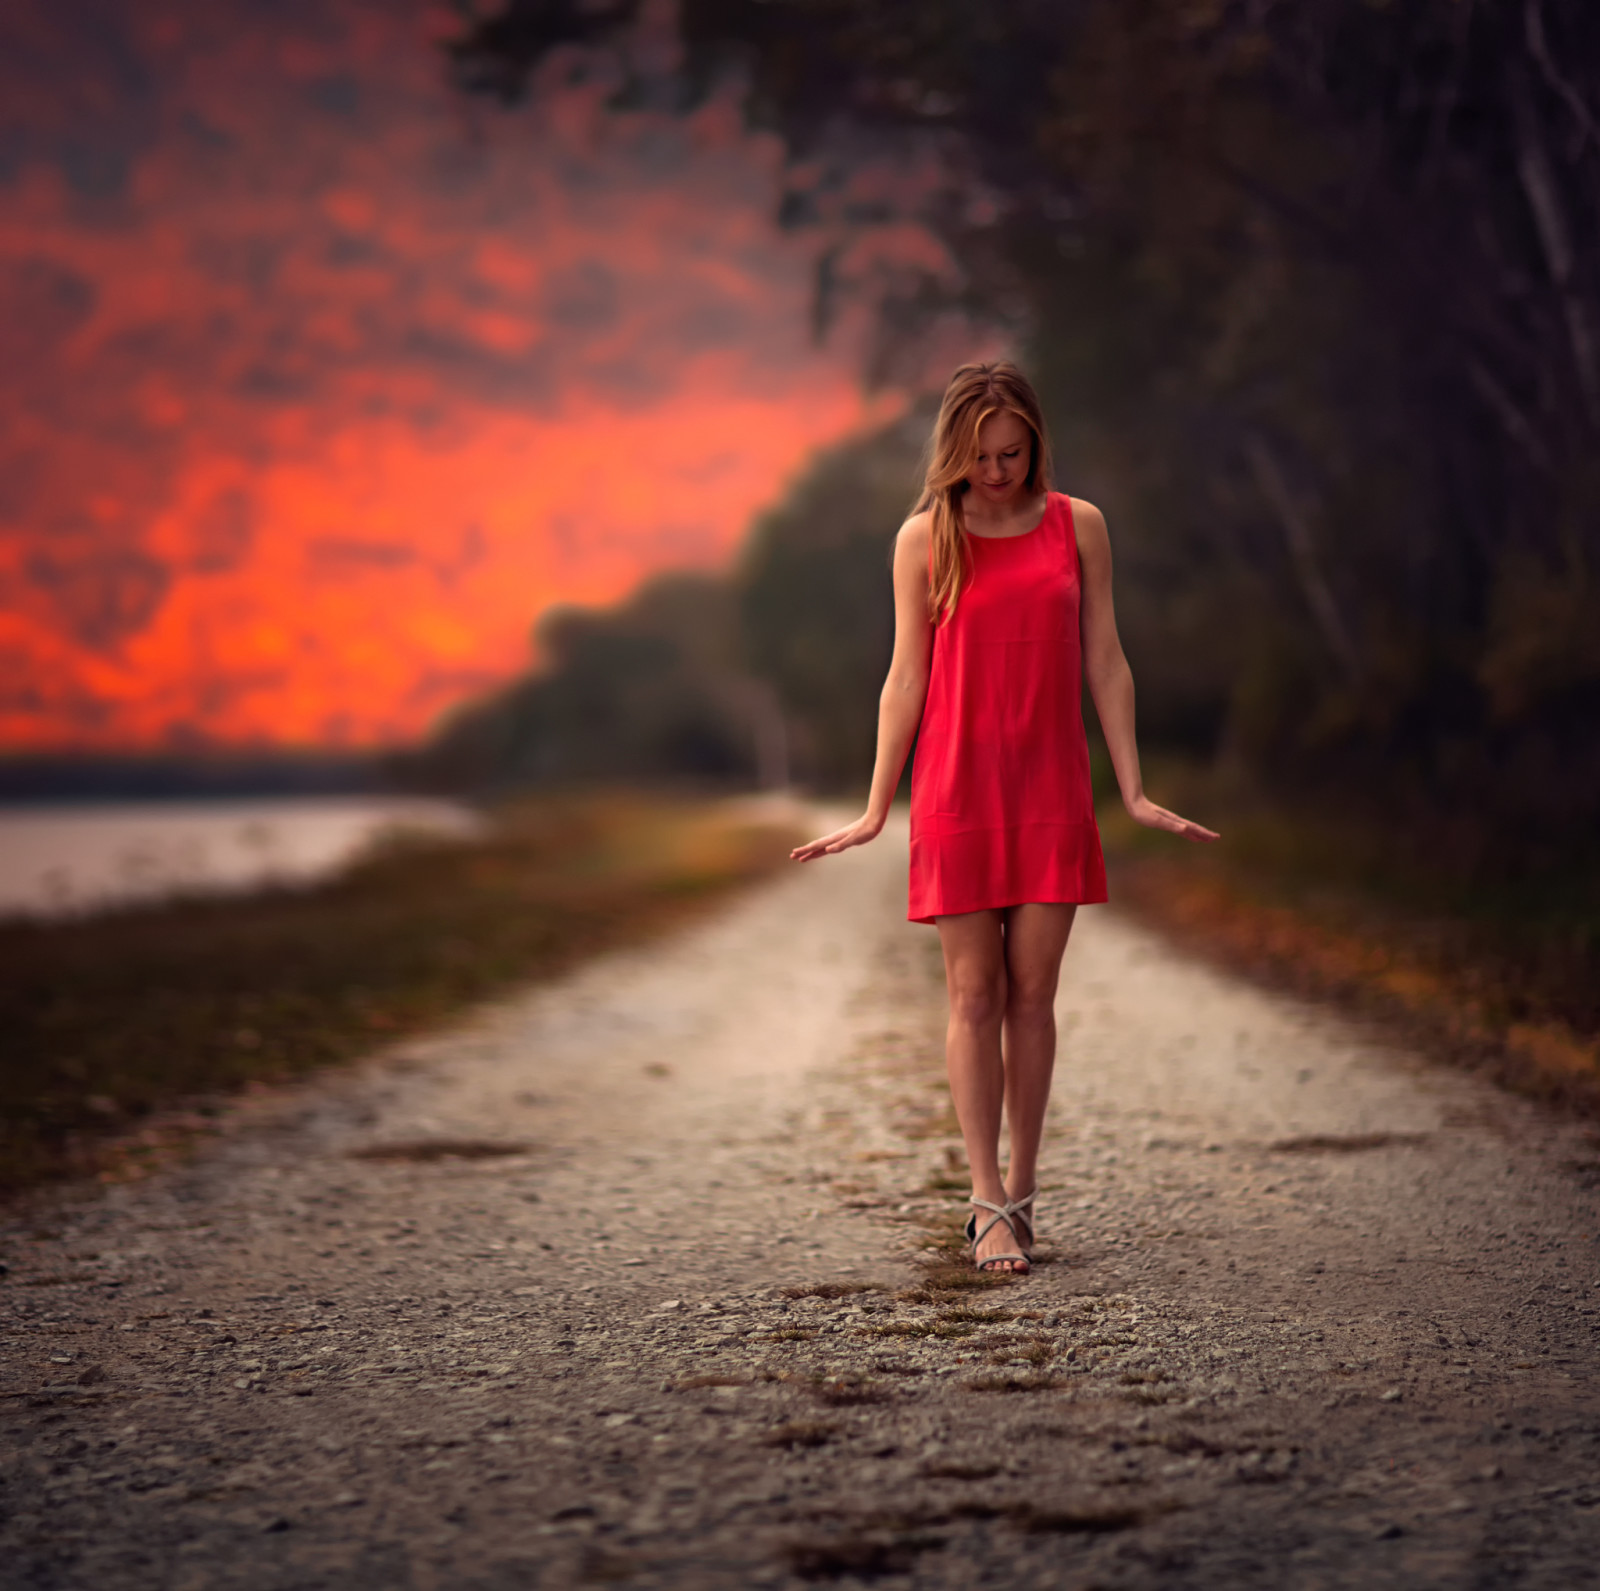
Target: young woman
x: 1002, y: 608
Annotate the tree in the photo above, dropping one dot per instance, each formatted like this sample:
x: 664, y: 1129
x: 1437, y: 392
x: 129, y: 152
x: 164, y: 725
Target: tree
x: 646, y: 691
x: 1313, y: 291
x: 816, y: 597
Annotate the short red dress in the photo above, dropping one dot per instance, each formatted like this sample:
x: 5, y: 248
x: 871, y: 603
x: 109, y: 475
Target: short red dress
x: 1001, y: 807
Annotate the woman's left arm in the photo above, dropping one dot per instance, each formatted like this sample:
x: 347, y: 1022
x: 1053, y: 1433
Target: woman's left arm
x: 1111, y: 680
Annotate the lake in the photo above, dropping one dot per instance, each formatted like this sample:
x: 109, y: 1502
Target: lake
x: 65, y: 860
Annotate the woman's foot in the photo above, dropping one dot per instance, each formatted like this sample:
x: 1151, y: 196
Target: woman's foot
x: 994, y: 1239
x: 1022, y: 1219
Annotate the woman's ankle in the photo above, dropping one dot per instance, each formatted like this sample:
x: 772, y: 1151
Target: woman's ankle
x: 992, y: 1191
x: 1018, y: 1186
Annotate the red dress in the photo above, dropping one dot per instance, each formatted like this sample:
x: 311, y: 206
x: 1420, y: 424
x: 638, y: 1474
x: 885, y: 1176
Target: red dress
x: 1001, y: 807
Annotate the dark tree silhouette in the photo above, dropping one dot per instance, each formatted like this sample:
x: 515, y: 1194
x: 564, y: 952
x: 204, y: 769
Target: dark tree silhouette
x: 1313, y: 291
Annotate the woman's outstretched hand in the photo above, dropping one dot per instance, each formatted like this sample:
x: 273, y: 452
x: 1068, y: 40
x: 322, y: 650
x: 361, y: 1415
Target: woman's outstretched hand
x: 857, y: 833
x: 1145, y: 811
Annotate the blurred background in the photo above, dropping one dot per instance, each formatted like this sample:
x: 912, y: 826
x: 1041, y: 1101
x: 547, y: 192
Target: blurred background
x: 469, y: 403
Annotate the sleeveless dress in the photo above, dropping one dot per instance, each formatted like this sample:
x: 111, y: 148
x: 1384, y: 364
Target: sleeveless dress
x: 1001, y: 807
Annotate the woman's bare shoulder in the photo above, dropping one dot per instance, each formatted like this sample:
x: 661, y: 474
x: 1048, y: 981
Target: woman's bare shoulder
x: 1094, y: 545
x: 1086, y: 515
x: 914, y: 536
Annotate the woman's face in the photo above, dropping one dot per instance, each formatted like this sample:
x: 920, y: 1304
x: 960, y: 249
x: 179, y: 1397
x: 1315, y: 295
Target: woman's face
x: 1001, y: 468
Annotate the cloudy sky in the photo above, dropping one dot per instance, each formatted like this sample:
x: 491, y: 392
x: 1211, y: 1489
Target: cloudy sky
x: 318, y: 387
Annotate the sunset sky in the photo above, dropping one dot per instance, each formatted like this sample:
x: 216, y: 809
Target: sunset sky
x: 318, y: 386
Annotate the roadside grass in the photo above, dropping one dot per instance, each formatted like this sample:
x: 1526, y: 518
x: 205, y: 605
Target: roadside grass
x: 1035, y: 1350
x: 849, y: 1392
x: 128, y: 1029
x: 830, y: 1290
x: 1505, y: 978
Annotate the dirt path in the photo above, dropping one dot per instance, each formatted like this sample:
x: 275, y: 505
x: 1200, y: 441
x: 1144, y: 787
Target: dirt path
x: 1316, y: 1314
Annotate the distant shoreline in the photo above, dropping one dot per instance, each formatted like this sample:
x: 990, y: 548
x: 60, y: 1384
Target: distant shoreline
x: 72, y: 777
x: 76, y: 858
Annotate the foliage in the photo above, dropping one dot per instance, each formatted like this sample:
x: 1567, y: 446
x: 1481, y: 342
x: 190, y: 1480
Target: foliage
x: 768, y: 675
x: 816, y: 597
x: 646, y: 691
x: 1502, y: 980
x: 1313, y: 291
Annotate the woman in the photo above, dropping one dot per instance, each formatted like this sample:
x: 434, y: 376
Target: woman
x: 1002, y: 606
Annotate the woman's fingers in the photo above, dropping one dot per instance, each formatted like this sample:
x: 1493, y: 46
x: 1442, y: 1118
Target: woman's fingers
x: 857, y: 833
x: 840, y: 839
x: 1187, y: 830
x: 1155, y: 817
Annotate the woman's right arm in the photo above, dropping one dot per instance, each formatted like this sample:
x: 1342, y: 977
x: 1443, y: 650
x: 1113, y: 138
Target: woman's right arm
x: 904, y: 692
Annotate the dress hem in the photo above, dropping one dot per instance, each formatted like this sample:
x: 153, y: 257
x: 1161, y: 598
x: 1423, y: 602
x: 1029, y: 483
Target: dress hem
x: 1004, y: 905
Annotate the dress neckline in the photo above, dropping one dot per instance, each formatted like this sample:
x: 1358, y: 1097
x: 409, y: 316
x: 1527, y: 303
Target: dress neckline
x: 1020, y: 535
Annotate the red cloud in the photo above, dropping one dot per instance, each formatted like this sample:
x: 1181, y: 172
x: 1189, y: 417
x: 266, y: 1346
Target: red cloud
x: 312, y: 400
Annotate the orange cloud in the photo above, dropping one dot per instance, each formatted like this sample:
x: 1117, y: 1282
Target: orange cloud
x: 313, y: 400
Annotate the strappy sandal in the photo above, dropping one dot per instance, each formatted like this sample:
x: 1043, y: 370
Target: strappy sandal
x: 976, y: 1234
x: 1022, y: 1210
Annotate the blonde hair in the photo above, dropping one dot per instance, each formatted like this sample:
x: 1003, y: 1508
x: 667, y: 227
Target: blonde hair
x: 974, y: 394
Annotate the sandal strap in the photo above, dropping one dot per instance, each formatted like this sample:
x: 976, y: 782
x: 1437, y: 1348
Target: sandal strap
x: 1023, y: 1207
x: 976, y: 1234
x: 999, y: 1209
x: 1002, y: 1212
x: 1005, y: 1209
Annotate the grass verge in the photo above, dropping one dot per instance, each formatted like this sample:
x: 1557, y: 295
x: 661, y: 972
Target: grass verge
x: 168, y: 1009
x: 1502, y: 977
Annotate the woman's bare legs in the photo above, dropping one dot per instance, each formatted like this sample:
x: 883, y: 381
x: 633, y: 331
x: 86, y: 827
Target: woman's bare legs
x: 975, y: 974
x: 1001, y: 968
x: 1036, y: 940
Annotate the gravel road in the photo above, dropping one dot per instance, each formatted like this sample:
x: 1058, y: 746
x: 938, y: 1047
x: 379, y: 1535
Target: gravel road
x: 636, y: 1279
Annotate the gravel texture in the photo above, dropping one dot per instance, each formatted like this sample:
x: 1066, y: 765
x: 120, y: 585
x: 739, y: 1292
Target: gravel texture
x: 638, y: 1279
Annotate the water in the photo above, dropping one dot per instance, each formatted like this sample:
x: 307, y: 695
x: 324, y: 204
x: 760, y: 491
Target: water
x: 63, y: 861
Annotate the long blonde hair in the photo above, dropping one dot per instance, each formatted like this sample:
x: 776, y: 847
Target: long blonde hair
x: 974, y: 393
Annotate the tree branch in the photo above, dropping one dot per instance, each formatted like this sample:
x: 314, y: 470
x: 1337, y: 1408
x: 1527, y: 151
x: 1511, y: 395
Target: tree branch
x: 1539, y: 49
x: 1517, y: 425
x: 1274, y: 487
x: 1555, y: 238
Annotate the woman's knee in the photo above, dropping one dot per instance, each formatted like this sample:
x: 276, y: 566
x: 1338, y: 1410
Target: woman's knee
x: 977, y: 1000
x: 1031, y: 1000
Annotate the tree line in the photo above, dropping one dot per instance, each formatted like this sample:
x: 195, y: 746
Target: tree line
x: 764, y: 676
x: 1312, y: 292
